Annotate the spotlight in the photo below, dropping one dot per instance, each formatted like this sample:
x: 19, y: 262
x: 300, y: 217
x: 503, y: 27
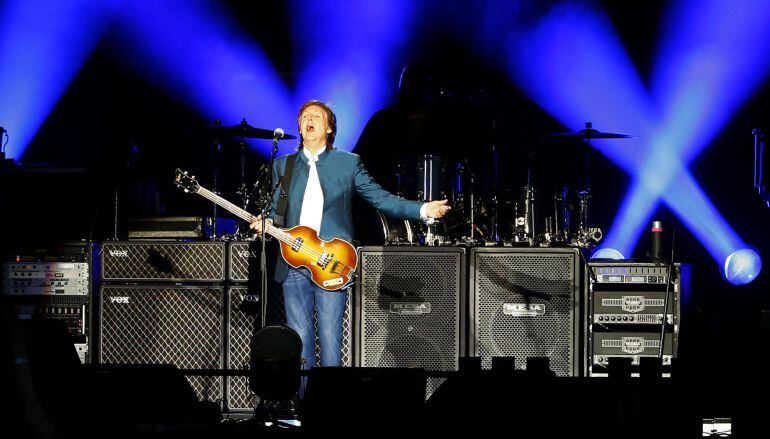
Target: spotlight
x: 742, y: 266
x: 607, y: 253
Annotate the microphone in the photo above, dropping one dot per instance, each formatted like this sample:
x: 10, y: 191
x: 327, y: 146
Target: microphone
x: 657, y: 242
x: 278, y: 134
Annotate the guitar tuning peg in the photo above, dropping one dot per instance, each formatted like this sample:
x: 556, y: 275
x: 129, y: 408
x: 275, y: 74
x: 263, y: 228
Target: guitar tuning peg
x: 193, y: 177
x: 187, y: 190
x: 185, y: 172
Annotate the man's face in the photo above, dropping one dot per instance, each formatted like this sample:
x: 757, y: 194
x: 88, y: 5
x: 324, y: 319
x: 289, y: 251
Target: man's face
x: 313, y: 125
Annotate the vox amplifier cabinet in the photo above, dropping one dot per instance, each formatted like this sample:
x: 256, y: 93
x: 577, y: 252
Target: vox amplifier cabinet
x: 158, y: 261
x: 165, y: 324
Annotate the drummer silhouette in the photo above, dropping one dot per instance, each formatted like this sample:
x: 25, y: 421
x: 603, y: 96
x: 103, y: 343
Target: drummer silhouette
x: 419, y: 123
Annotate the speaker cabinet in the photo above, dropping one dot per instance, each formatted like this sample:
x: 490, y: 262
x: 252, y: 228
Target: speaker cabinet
x: 525, y: 303
x: 165, y: 324
x: 409, y: 306
x: 157, y: 261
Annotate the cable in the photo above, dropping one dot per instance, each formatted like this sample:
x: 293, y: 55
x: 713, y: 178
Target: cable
x: 664, y: 320
x: 588, y: 267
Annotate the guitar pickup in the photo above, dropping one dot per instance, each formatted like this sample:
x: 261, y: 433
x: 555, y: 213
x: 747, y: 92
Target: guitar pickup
x: 324, y: 259
x: 297, y: 244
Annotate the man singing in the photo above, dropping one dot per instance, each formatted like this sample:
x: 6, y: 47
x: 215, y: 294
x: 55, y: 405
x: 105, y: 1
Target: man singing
x: 320, y: 195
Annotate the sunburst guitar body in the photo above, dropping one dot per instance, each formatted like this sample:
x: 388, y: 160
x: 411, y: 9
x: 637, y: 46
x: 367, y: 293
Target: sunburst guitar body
x: 332, y: 264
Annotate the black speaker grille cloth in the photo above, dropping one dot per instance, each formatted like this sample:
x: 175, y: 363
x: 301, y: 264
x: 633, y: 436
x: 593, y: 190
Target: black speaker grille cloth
x: 155, y: 261
x: 526, y: 278
x: 430, y: 341
x: 165, y: 325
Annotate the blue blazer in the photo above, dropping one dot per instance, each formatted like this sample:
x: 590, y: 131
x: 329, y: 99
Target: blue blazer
x: 340, y: 173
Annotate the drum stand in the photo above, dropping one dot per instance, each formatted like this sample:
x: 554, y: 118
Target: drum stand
x: 586, y: 236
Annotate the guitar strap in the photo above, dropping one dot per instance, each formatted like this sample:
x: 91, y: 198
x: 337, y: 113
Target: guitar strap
x: 283, y: 200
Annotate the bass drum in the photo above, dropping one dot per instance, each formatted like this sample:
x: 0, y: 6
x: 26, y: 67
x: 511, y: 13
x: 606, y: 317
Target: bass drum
x: 397, y: 232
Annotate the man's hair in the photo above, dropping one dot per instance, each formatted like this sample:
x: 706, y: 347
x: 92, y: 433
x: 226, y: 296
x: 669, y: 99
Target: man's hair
x: 331, y: 120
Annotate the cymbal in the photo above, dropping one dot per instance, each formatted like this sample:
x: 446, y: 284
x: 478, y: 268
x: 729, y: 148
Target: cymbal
x: 242, y: 129
x: 588, y: 133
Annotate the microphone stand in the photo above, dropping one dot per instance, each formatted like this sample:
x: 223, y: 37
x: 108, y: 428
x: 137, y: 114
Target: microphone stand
x: 265, y: 207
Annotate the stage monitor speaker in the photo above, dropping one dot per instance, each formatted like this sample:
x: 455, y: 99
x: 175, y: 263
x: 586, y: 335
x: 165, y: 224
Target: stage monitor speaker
x: 241, y: 326
x: 158, y: 261
x: 525, y: 303
x: 165, y: 324
x: 410, y: 308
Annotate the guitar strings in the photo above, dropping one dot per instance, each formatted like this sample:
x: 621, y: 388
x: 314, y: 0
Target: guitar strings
x: 246, y: 216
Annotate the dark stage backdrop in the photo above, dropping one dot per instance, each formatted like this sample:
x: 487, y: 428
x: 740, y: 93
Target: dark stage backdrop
x: 131, y: 135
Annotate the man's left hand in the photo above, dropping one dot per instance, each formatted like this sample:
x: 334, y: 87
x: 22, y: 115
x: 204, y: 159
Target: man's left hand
x: 437, y: 209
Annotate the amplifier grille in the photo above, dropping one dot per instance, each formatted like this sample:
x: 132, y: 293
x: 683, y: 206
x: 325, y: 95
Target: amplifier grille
x: 411, y: 308
x: 525, y: 305
x: 163, y: 261
x: 164, y: 325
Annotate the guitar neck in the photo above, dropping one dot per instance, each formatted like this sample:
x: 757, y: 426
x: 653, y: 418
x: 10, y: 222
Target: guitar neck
x: 271, y: 230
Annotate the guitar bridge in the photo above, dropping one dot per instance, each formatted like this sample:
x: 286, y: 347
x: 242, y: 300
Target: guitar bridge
x: 325, y: 259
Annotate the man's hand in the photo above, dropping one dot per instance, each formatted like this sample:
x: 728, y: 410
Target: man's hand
x: 437, y: 209
x: 256, y: 225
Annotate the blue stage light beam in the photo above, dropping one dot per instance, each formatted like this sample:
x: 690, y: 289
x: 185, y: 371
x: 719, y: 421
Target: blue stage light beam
x: 196, y: 52
x: 573, y: 65
x: 628, y: 226
x: 713, y: 55
x: 43, y: 45
x: 691, y: 205
x: 346, y: 51
x: 538, y: 65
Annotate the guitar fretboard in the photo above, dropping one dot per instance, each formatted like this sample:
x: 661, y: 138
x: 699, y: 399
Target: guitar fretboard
x: 279, y: 234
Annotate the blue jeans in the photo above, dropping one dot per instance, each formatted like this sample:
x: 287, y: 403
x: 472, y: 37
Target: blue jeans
x: 300, y: 296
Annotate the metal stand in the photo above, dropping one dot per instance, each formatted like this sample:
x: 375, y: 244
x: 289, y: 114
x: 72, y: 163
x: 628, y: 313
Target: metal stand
x: 265, y: 203
x: 759, y: 167
x: 116, y: 212
x: 217, y: 160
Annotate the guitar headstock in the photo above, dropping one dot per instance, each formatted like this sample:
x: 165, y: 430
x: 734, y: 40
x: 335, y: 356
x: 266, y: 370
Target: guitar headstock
x: 186, y: 182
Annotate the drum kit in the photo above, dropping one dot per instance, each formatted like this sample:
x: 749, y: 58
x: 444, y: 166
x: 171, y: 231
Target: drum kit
x: 482, y: 219
x: 475, y: 218
x: 249, y: 194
